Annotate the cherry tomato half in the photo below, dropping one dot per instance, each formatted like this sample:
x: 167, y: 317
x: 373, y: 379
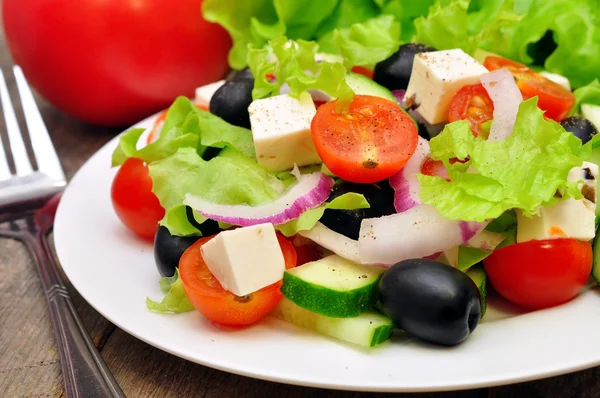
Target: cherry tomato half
x: 133, y: 200
x: 369, y: 143
x: 540, y: 273
x: 556, y: 100
x: 362, y: 70
x: 217, y: 304
x: 434, y: 168
x: 473, y: 104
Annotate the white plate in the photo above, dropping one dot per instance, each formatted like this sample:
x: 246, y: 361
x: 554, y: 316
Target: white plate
x: 115, y: 272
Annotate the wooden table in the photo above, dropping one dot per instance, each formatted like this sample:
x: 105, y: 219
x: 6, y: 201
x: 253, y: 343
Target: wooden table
x: 29, y: 365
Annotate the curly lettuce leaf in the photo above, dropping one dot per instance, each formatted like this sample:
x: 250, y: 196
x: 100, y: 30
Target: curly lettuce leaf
x: 233, y: 179
x: 366, y: 43
x: 185, y: 126
x: 405, y: 12
x: 575, y: 30
x: 308, y: 219
x: 588, y: 94
x: 294, y: 64
x: 175, y: 300
x: 524, y: 171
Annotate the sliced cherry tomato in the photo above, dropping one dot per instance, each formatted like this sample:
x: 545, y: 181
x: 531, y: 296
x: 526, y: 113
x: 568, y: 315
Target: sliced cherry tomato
x: 369, y: 143
x: 434, y: 168
x: 361, y: 70
x: 217, y: 304
x: 133, y: 200
x: 306, y: 253
x: 556, y: 100
x: 540, y: 273
x: 473, y: 104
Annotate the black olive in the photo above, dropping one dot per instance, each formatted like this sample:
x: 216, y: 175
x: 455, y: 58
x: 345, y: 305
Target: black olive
x: 347, y: 222
x: 168, y: 250
x: 430, y: 300
x: 245, y: 73
x: 230, y: 102
x: 394, y: 73
x: 581, y: 127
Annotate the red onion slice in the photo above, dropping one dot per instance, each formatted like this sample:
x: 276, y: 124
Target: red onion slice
x: 331, y: 240
x: 416, y: 233
x: 405, y: 183
x: 500, y: 85
x: 399, y: 95
x: 309, y: 191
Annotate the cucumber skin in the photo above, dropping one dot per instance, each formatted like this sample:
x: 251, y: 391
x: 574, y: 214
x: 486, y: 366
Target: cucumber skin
x: 294, y: 314
x: 311, y: 297
x: 478, y: 275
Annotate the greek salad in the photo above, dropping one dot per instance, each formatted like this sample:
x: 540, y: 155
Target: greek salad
x: 378, y: 176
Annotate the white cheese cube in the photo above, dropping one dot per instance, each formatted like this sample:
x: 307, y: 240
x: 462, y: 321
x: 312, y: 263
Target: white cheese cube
x: 245, y: 260
x: 558, y: 79
x: 281, y: 131
x: 205, y: 93
x: 568, y: 218
x: 435, y: 78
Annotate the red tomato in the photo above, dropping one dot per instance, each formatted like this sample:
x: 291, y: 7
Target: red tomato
x: 556, y: 100
x: 217, y: 304
x: 306, y: 253
x: 361, y: 70
x: 434, y: 168
x: 473, y: 104
x: 133, y: 200
x: 114, y: 62
x: 369, y: 143
x: 540, y: 273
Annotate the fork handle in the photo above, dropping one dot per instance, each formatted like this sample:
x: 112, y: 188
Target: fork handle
x: 84, y: 371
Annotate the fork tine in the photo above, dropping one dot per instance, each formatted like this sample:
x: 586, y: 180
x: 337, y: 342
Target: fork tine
x: 4, y: 169
x: 15, y: 139
x: 43, y: 149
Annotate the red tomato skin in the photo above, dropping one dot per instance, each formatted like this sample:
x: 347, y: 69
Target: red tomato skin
x: 473, y: 104
x: 540, y: 273
x: 136, y: 205
x: 114, y: 62
x: 220, y: 306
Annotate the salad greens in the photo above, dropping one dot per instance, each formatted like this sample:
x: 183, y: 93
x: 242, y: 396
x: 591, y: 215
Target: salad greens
x: 524, y: 171
x: 295, y: 64
x: 561, y: 35
x: 589, y: 94
x: 175, y: 300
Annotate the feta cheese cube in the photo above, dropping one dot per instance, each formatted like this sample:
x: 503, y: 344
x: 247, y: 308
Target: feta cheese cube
x: 435, y: 78
x: 568, y: 218
x: 205, y: 93
x: 245, y: 260
x: 281, y: 131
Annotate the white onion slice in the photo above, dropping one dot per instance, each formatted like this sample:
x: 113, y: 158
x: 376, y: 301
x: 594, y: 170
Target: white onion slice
x: 334, y: 241
x: 405, y: 183
x: 310, y: 191
x: 485, y: 240
x: 500, y: 85
x: 416, y: 233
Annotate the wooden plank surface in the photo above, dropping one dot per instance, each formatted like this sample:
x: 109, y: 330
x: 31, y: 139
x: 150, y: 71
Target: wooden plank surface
x: 29, y: 364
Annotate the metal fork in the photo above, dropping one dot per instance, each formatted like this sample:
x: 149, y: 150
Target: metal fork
x: 28, y: 202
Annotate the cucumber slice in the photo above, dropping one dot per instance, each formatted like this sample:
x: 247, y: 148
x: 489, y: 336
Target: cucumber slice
x: 595, y: 158
x: 596, y: 255
x: 477, y: 274
x: 367, y: 329
x: 592, y: 113
x: 332, y: 286
x: 365, y: 86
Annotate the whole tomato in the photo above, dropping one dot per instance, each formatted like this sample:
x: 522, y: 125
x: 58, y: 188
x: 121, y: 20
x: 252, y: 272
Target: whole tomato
x: 114, y: 62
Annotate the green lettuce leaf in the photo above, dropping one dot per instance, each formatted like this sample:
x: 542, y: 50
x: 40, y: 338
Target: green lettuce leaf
x: 175, y: 300
x: 347, y: 12
x: 589, y: 94
x: 523, y: 171
x: 295, y: 65
x: 308, y: 219
x: 405, y: 12
x: 574, y: 28
x: 185, y: 126
x: 366, y: 43
x: 229, y: 179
